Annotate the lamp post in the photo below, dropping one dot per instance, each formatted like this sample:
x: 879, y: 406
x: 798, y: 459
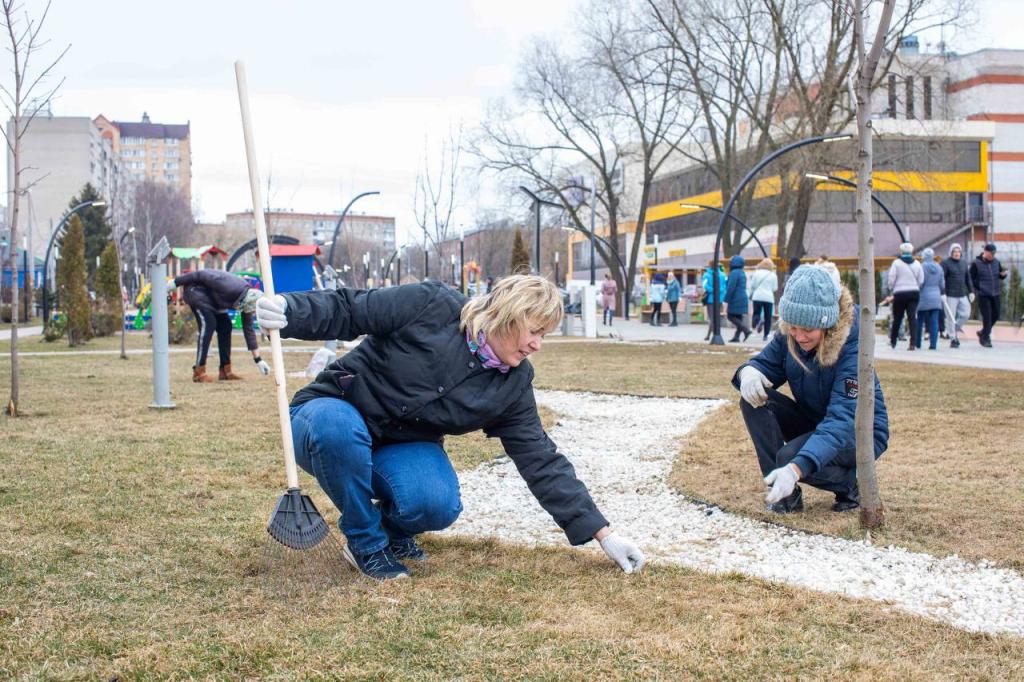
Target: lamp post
x: 462, y: 262
x: 556, y: 268
x: 341, y: 219
x: 655, y: 251
x: 716, y: 322
x: 821, y: 177
x: 366, y: 270
x: 49, y: 249
x: 764, y: 251
x: 537, y: 202
x: 593, y: 231
x: 453, y: 270
x: 397, y: 255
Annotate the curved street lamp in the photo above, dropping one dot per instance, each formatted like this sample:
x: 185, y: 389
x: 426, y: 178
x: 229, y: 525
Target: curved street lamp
x: 764, y: 251
x: 821, y: 177
x: 49, y: 249
x: 716, y: 338
x: 341, y: 219
x: 537, y: 203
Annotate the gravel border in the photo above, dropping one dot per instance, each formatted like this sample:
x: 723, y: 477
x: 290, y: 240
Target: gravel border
x: 623, y: 447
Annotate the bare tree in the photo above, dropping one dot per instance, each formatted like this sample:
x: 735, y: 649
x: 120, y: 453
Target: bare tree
x: 159, y: 210
x: 23, y: 99
x: 609, y: 106
x: 872, y: 514
x: 436, y: 191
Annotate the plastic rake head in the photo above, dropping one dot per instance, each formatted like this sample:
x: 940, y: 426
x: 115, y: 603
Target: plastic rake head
x: 296, y: 523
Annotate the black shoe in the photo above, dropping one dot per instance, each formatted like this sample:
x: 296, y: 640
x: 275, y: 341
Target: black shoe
x: 746, y: 335
x: 954, y: 344
x: 380, y: 565
x: 734, y: 339
x: 408, y: 549
x: 788, y: 505
x: 674, y: 324
x: 986, y: 343
x: 847, y: 502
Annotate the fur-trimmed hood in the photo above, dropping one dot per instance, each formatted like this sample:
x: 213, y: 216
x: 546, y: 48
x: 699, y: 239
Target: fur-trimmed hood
x: 835, y: 337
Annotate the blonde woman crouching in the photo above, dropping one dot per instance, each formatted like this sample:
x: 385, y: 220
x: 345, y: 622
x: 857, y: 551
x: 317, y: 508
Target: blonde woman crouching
x: 371, y: 426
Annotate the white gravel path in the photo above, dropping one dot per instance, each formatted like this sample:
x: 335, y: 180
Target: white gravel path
x: 623, y: 448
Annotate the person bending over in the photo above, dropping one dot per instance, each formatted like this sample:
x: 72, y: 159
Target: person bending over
x: 210, y: 294
x: 371, y: 426
x: 809, y: 437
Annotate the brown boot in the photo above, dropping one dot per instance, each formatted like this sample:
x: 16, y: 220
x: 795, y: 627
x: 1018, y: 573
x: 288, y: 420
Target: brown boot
x: 199, y: 375
x: 227, y: 375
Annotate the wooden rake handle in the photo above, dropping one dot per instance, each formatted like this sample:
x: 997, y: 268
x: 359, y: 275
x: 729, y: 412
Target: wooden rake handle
x: 268, y: 278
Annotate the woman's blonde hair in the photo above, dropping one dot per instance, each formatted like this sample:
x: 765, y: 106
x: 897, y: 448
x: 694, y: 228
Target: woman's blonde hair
x: 515, y: 302
x: 766, y: 264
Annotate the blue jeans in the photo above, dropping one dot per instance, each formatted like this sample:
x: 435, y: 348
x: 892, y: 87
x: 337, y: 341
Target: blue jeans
x: 414, y: 483
x: 931, y: 318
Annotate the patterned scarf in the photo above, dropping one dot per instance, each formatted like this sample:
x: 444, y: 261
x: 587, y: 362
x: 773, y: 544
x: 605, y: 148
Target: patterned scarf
x: 484, y: 353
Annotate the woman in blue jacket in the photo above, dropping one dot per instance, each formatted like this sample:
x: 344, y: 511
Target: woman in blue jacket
x: 929, y: 306
x: 707, y: 285
x: 736, y: 301
x: 809, y: 437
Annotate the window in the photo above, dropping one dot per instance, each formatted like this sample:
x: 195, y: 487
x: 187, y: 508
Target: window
x: 927, y: 97
x: 171, y: 165
x: 171, y: 141
x: 910, y: 97
x: 171, y: 153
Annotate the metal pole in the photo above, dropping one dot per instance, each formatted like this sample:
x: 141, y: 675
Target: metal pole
x: 556, y: 268
x: 161, y: 357
x: 398, y: 272
x: 536, y: 237
x: 878, y: 202
x: 426, y: 263
x: 462, y: 262
x: 593, y: 218
x: 764, y: 251
x: 716, y: 338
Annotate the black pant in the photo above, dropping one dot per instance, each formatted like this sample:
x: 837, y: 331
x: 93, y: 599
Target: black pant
x: 763, y: 310
x: 208, y: 320
x: 989, y: 308
x: 656, y: 313
x: 904, y: 302
x: 672, y: 305
x: 737, y: 321
x: 778, y: 431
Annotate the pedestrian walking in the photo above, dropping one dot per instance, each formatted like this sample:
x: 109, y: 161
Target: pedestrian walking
x: 986, y: 272
x: 929, y: 306
x: 761, y: 288
x: 905, y: 280
x: 433, y: 362
x: 737, y: 303
x: 672, y: 294
x: 828, y: 266
x: 809, y: 437
x: 959, y: 292
x: 210, y: 294
x: 657, y: 298
x: 707, y: 285
x: 609, y: 294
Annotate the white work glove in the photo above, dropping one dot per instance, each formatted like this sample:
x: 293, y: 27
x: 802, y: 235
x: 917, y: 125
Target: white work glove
x: 623, y: 552
x: 171, y: 286
x: 754, y: 386
x: 262, y: 366
x: 970, y: 298
x: 782, y: 481
x: 270, y: 312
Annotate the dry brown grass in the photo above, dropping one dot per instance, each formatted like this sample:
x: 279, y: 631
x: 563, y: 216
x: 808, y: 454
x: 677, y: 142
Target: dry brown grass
x: 132, y: 541
x: 952, y: 480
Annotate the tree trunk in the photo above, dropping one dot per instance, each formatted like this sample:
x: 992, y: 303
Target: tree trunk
x: 12, y: 403
x: 872, y: 513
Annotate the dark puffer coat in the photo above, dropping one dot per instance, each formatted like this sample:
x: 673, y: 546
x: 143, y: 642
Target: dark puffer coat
x: 218, y: 291
x: 413, y: 378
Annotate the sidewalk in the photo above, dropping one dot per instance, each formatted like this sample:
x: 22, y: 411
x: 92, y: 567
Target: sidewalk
x: 5, y: 334
x: 1007, y: 353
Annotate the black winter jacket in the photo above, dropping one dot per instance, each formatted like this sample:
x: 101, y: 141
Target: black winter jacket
x: 413, y: 378
x: 985, y: 276
x: 217, y: 291
x: 958, y: 280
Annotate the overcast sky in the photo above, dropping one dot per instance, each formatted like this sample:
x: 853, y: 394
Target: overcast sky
x: 343, y: 93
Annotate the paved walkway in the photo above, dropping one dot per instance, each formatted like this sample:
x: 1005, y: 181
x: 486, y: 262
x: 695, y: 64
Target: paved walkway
x: 1007, y: 353
x: 5, y: 334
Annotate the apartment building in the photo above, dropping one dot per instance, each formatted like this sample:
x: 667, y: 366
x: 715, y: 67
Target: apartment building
x: 161, y: 152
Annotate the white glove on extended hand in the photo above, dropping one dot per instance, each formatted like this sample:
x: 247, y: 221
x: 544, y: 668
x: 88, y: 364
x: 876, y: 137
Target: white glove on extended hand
x: 171, y: 286
x: 782, y: 481
x: 754, y: 386
x: 270, y: 312
x: 263, y: 367
x: 970, y: 298
x: 623, y: 552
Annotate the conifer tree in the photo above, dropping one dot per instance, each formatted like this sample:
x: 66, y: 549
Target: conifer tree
x: 108, y: 292
x: 71, y: 284
x: 520, y: 264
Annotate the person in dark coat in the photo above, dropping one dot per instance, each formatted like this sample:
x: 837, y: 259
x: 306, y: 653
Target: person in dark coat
x: 736, y: 300
x: 959, y: 292
x: 809, y: 437
x: 986, y: 272
x: 371, y: 426
x: 210, y: 294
